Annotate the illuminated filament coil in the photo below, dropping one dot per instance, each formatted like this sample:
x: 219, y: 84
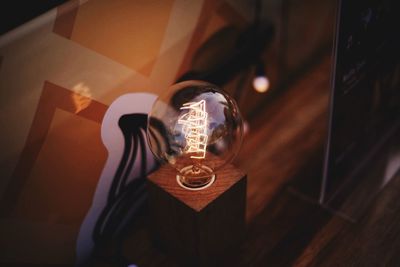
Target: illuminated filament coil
x: 195, y: 128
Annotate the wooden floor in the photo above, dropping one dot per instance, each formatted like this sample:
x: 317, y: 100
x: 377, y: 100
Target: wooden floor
x: 284, y: 226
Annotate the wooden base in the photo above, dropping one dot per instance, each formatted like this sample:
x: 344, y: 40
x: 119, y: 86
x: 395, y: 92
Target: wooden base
x: 199, y: 228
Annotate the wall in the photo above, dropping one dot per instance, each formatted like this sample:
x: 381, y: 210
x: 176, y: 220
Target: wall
x: 58, y: 75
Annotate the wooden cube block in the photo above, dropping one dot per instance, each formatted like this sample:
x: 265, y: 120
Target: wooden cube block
x: 199, y: 228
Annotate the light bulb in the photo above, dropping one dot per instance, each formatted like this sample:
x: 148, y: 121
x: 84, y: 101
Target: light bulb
x: 261, y: 84
x: 196, y: 128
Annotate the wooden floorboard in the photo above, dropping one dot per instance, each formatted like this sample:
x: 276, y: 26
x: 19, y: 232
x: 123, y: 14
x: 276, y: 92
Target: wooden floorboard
x: 282, y: 155
x: 374, y: 240
x: 284, y: 137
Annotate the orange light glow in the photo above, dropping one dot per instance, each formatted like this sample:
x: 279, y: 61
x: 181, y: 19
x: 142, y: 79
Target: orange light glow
x: 81, y: 97
x: 261, y: 84
x: 195, y: 128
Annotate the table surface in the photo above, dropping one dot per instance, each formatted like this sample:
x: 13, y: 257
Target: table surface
x: 285, y: 227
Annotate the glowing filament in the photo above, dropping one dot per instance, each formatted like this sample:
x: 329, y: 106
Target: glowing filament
x: 195, y: 128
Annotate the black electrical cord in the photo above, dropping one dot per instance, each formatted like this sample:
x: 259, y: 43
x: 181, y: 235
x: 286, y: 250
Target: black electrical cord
x: 257, y: 12
x: 126, y: 198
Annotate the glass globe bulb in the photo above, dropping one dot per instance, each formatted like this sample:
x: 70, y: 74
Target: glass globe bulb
x: 196, y: 128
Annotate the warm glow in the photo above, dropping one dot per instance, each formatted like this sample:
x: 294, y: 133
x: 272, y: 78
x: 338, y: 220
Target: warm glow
x: 195, y: 128
x: 81, y: 97
x: 261, y: 84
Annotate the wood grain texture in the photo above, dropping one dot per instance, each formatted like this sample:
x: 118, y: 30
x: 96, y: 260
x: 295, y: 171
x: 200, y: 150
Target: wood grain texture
x: 198, y: 228
x: 284, y: 143
x: 284, y: 137
x: 283, y: 154
x: 165, y: 177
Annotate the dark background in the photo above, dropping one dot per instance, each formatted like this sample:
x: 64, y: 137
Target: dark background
x: 15, y: 13
x: 366, y: 100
